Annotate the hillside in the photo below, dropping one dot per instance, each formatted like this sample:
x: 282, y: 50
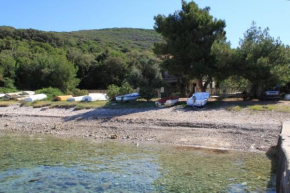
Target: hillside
x: 87, y: 59
x: 141, y: 39
x: 115, y: 38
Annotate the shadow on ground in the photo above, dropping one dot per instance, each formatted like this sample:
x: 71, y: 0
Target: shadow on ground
x: 112, y: 110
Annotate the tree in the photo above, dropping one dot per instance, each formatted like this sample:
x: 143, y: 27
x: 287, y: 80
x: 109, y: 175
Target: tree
x: 7, y: 69
x: 188, y: 38
x: 261, y: 59
x: 146, y: 75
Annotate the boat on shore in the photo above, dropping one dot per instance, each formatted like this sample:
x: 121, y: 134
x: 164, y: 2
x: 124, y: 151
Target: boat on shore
x: 75, y: 99
x: 62, y: 98
x: 199, y: 99
x: 128, y: 97
x: 167, y: 101
x: 95, y: 97
x: 36, y: 97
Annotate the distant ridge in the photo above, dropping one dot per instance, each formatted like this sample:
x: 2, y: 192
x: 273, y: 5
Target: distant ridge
x: 114, y: 38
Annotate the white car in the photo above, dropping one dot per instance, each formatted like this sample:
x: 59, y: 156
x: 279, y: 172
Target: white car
x: 198, y: 99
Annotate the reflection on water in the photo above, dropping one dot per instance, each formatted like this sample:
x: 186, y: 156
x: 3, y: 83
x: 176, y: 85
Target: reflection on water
x: 47, y: 164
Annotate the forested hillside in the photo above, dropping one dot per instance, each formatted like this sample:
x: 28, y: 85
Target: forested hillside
x: 87, y: 59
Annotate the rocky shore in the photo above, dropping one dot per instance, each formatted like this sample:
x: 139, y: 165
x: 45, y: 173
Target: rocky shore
x: 210, y: 128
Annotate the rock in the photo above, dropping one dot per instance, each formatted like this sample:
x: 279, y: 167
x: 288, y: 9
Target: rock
x: 114, y: 136
x: 244, y: 183
x: 54, y: 127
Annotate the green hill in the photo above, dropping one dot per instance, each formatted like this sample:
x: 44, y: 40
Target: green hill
x: 115, y: 38
x: 33, y: 59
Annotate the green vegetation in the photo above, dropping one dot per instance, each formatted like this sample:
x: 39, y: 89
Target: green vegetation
x: 7, y: 103
x: 90, y: 59
x: 113, y: 91
x: 195, y: 47
x: 258, y: 107
x: 189, y: 35
x: 84, y: 105
x: 50, y: 92
x: 261, y: 59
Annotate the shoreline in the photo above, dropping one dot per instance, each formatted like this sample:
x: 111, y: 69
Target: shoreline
x: 204, y: 128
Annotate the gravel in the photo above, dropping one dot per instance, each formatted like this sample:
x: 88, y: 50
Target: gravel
x: 210, y: 128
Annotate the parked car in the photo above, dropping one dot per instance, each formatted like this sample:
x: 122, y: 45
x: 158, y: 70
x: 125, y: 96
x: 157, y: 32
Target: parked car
x: 269, y: 94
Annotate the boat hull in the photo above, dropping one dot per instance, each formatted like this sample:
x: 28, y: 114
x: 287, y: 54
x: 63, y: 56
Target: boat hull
x: 128, y: 97
x: 198, y: 99
x: 167, y: 103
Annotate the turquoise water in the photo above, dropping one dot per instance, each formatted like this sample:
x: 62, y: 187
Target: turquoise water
x: 46, y: 164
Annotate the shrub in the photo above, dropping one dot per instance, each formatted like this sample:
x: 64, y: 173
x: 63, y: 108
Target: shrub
x: 78, y: 92
x: 126, y: 88
x: 50, y: 92
x: 7, y: 90
x: 113, y: 91
x: 147, y: 92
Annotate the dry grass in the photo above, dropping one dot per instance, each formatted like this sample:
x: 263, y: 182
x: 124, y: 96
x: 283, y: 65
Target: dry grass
x: 7, y: 103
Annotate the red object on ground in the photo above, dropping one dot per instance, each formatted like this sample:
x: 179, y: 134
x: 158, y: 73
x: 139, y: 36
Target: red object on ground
x: 163, y: 100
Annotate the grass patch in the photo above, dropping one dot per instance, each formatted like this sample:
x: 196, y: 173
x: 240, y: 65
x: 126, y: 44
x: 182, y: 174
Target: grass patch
x: 66, y: 104
x: 97, y: 104
x: 235, y: 108
x: 36, y: 104
x: 277, y: 108
x: 4, y: 103
x: 271, y: 107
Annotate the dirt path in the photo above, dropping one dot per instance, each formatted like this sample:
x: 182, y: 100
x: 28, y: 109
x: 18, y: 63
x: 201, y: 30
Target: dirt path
x: 212, y: 128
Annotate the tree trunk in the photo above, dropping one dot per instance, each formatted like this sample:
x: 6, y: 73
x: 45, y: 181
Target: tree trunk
x: 201, y: 86
x: 182, y: 88
x: 254, y: 89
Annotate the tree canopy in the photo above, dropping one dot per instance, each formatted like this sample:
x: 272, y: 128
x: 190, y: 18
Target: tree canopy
x: 88, y: 59
x: 261, y: 59
x: 189, y: 35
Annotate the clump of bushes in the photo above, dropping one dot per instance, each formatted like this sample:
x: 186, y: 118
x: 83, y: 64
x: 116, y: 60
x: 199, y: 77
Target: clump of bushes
x: 78, y: 92
x: 50, y: 92
x: 114, y: 90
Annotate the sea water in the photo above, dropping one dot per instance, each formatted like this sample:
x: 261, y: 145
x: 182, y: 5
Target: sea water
x: 37, y: 163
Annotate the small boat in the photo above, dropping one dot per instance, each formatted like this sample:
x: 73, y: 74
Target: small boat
x: 128, y: 97
x: 13, y: 95
x: 62, y: 98
x: 95, y: 97
x: 75, y: 99
x: 167, y: 101
x: 28, y: 93
x: 36, y: 97
x: 198, y: 99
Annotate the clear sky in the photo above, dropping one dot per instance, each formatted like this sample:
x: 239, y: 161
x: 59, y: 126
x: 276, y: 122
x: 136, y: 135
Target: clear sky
x: 72, y: 15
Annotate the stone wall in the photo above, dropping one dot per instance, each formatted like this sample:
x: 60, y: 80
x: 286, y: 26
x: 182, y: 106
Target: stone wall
x: 283, y: 170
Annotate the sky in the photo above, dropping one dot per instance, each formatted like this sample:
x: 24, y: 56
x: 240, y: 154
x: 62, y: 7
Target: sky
x: 73, y: 15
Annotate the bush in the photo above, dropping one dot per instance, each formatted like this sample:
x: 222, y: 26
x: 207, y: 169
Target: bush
x: 113, y: 91
x: 50, y: 92
x: 7, y: 90
x: 147, y: 92
x: 9, y: 83
x: 126, y: 88
x: 78, y: 92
